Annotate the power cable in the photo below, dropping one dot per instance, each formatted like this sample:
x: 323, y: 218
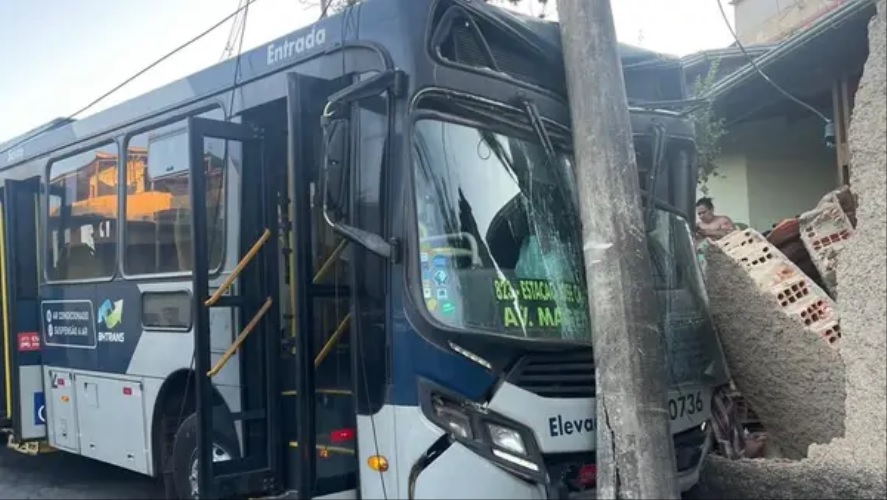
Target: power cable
x: 763, y: 75
x: 136, y: 75
x: 233, y: 33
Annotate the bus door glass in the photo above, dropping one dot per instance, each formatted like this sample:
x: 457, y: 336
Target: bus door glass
x: 23, y: 402
x: 323, y: 324
x: 212, y: 143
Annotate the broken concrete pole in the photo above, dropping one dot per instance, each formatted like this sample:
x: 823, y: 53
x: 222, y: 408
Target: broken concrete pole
x: 825, y: 231
x: 790, y: 376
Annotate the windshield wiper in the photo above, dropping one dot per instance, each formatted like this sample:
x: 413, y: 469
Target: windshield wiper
x: 658, y: 160
x: 493, y: 142
x: 538, y: 125
x: 551, y: 157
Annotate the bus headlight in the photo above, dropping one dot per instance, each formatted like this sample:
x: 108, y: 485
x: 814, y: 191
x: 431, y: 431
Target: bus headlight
x: 453, y: 418
x: 505, y: 442
x: 507, y: 439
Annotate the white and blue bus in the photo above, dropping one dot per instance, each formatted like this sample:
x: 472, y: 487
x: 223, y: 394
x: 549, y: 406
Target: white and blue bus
x: 345, y: 264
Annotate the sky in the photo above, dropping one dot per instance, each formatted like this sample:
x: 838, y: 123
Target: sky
x: 59, y: 55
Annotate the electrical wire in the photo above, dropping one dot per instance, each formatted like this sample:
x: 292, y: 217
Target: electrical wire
x: 136, y: 75
x: 325, y: 7
x: 763, y: 75
x: 233, y: 33
x: 351, y: 26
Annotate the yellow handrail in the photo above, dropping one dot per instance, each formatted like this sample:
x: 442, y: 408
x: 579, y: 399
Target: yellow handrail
x: 239, y: 340
x: 239, y: 268
x: 321, y: 447
x: 328, y: 263
x: 7, y: 358
x: 332, y: 341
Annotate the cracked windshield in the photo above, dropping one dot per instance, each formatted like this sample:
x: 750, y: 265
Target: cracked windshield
x: 500, y: 246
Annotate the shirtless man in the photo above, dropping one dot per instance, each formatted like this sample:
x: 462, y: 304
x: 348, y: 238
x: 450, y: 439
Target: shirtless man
x: 708, y: 224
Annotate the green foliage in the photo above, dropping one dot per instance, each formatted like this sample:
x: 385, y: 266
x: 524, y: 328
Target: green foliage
x: 709, y: 128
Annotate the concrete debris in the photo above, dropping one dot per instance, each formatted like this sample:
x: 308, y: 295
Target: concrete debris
x: 765, y: 478
x: 825, y: 231
x: 781, y: 369
x: 797, y: 294
x: 786, y: 237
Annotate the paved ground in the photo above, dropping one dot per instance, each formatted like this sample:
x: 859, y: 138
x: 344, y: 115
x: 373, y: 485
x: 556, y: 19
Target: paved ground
x: 63, y: 476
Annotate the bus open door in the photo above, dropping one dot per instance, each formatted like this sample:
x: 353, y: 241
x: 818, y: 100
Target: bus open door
x: 23, y: 404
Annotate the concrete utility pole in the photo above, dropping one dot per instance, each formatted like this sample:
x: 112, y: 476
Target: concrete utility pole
x: 635, y: 451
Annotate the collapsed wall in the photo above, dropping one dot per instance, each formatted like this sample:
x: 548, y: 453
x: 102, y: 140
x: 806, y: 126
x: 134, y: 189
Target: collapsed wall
x: 781, y: 368
x: 853, y: 466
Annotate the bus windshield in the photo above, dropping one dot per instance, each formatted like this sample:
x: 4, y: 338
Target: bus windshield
x: 499, y: 234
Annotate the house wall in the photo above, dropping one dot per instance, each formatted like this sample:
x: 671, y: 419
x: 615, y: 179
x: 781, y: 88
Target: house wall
x: 773, y: 169
x: 789, y: 168
x: 767, y: 21
x: 729, y: 189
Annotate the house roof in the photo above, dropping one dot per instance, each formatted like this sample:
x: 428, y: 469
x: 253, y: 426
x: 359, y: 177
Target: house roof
x: 805, y: 64
x: 703, y: 57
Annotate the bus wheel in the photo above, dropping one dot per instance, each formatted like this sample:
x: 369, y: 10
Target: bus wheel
x: 184, y: 455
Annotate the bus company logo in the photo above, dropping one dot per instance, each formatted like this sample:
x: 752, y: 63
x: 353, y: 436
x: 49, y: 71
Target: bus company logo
x: 110, y: 314
x: 566, y: 426
x: 290, y: 47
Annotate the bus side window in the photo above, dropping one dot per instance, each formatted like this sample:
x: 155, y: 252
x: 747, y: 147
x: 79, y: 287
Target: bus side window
x: 157, y: 235
x: 82, y: 215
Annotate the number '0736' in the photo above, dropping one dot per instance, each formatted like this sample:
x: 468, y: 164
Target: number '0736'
x: 685, y: 405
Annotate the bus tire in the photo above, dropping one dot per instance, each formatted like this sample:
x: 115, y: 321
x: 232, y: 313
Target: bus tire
x: 184, y: 455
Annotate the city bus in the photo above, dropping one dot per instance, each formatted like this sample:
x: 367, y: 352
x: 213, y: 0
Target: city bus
x: 344, y: 264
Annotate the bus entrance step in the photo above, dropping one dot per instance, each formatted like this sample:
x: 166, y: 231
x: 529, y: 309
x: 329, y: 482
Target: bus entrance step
x: 251, y: 483
x: 249, y: 415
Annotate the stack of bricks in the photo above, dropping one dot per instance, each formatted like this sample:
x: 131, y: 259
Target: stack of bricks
x: 825, y: 231
x: 799, y: 296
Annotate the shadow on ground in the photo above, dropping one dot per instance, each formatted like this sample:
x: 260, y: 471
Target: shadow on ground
x: 60, y: 475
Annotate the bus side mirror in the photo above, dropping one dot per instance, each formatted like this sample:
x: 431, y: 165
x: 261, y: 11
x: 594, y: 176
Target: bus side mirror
x: 336, y: 164
x: 335, y: 181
